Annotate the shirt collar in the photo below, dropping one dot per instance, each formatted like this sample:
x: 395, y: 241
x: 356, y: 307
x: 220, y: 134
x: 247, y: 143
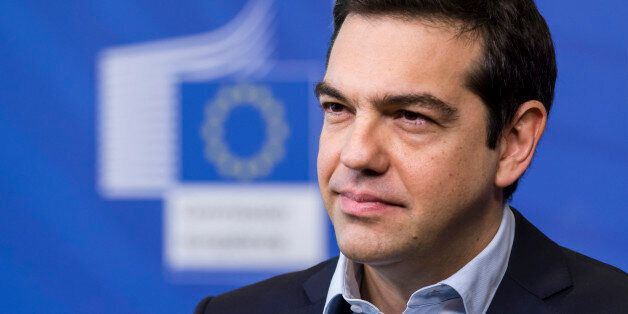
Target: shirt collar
x: 476, y: 282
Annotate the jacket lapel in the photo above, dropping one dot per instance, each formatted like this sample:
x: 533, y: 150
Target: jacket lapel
x: 316, y: 288
x: 536, y: 271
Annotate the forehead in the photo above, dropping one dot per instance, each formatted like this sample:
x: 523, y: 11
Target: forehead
x: 376, y: 54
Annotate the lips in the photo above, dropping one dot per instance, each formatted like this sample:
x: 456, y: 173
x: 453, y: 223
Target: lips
x: 363, y: 204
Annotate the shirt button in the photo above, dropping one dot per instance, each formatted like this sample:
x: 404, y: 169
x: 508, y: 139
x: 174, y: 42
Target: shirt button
x: 356, y: 309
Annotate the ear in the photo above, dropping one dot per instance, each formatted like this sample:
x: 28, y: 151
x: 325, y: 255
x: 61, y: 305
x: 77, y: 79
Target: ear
x: 518, y: 142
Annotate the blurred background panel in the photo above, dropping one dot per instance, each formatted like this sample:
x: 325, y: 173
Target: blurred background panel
x: 109, y: 116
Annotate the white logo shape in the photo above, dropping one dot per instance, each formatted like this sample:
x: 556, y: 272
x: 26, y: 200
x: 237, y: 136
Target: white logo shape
x: 138, y: 97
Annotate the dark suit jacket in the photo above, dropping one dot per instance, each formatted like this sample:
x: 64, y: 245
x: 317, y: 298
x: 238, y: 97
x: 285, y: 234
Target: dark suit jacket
x: 542, y: 277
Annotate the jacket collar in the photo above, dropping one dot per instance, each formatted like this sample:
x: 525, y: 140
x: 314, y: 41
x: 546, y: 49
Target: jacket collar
x: 316, y: 286
x: 536, y: 271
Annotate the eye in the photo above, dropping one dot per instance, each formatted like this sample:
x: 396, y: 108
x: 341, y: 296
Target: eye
x: 334, y: 112
x: 333, y: 107
x: 412, y: 117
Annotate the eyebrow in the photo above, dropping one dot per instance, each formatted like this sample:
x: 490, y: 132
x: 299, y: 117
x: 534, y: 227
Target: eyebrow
x: 447, y: 111
x: 323, y: 88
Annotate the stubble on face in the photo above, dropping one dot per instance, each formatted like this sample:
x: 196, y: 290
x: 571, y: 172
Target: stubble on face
x: 434, y: 179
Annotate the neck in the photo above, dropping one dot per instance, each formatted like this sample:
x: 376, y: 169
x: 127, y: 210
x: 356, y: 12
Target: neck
x: 390, y: 285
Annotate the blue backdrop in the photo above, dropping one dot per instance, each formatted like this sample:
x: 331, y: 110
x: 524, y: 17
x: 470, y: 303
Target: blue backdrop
x: 64, y: 248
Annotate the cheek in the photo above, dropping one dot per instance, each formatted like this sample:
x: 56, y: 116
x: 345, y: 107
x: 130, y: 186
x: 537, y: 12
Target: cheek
x: 327, y: 162
x: 451, y: 174
x: 431, y: 174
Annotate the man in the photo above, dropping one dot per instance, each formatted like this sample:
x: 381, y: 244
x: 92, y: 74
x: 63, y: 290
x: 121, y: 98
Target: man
x: 432, y: 112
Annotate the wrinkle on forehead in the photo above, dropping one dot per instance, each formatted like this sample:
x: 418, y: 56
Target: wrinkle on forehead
x: 402, y: 54
x: 459, y: 32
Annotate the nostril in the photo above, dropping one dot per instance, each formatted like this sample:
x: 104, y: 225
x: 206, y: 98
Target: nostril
x: 370, y: 172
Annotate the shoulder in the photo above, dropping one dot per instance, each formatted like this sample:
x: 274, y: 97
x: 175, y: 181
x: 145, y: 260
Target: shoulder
x: 586, y: 270
x: 595, y: 286
x: 558, y: 279
x: 594, y: 280
x: 283, y: 291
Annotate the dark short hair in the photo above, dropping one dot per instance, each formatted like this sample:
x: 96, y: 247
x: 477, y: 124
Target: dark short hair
x: 518, y: 62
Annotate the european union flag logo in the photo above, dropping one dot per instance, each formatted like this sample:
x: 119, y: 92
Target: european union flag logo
x: 232, y: 132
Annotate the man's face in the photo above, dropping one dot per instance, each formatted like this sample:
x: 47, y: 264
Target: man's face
x: 403, y: 165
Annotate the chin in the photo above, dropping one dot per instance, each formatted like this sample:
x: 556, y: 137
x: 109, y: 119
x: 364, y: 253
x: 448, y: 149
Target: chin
x: 361, y: 255
x: 366, y: 246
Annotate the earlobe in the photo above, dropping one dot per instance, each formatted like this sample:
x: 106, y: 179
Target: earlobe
x: 519, y: 141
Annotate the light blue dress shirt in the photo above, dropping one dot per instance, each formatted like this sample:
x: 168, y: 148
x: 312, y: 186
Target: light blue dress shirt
x: 469, y: 290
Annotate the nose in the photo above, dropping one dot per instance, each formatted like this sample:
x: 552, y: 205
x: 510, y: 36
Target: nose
x: 363, y: 149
